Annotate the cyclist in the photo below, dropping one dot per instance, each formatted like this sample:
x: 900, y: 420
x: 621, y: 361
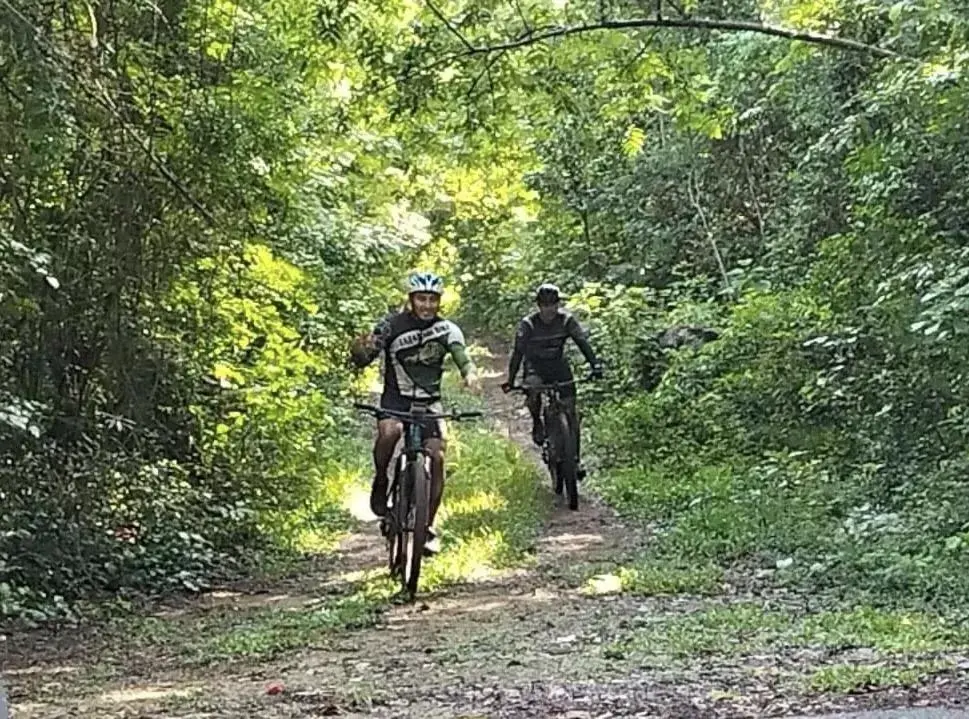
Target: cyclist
x: 414, y: 342
x: 540, y: 341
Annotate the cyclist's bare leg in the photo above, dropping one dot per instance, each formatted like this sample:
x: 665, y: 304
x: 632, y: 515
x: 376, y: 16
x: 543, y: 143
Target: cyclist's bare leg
x: 435, y: 448
x: 533, y: 400
x: 388, y: 434
x: 435, y: 451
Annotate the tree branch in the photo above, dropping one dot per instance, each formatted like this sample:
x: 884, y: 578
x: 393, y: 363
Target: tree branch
x: 103, y: 99
x: 690, y: 23
x: 453, y: 30
x: 679, y: 8
x: 9, y: 90
x: 486, y: 70
x: 521, y: 14
x: 694, y: 195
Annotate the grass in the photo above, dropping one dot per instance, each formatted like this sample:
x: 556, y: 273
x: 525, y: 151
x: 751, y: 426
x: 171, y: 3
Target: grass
x: 899, y: 641
x: 493, y: 505
x: 814, y: 519
x: 274, y: 632
x: 726, y: 630
x: 230, y: 633
x: 851, y: 678
x: 657, y: 578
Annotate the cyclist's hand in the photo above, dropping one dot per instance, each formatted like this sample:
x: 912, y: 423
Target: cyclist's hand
x: 506, y: 387
x: 596, y: 372
x: 361, y: 350
x: 473, y: 383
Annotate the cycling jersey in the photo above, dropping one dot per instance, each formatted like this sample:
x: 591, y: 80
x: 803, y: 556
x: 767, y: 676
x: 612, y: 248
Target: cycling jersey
x: 542, y: 346
x: 414, y: 351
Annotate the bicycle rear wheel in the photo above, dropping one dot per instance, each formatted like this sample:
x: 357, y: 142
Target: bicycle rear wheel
x: 567, y: 468
x: 420, y: 503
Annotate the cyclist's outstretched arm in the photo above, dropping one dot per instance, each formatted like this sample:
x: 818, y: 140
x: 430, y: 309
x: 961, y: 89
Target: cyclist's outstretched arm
x: 367, y: 347
x: 581, y: 338
x: 518, y: 351
x: 459, y: 352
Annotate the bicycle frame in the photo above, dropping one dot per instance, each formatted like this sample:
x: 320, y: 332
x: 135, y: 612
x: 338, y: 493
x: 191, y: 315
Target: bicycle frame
x: 414, y: 434
x: 563, y: 470
x: 550, y: 393
x: 410, y: 517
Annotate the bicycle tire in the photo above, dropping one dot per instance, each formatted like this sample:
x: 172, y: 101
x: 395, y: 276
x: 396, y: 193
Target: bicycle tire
x: 552, y: 453
x: 420, y: 500
x: 567, y: 467
x: 396, y: 539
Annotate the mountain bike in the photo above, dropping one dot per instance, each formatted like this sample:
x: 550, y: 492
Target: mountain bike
x: 559, y: 448
x: 409, y: 493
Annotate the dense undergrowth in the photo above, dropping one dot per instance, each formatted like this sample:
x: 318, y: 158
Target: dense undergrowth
x: 802, y: 204
x: 748, y: 452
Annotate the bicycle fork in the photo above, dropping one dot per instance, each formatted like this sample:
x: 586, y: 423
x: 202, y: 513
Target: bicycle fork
x: 401, y: 488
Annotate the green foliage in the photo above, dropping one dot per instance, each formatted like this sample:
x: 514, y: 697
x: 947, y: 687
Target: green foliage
x: 848, y: 678
x: 805, y: 204
x: 200, y: 205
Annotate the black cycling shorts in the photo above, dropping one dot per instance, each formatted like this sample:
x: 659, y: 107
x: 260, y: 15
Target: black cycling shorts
x: 432, y: 430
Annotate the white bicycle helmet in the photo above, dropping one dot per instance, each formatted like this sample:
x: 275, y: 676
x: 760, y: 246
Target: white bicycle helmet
x: 425, y: 282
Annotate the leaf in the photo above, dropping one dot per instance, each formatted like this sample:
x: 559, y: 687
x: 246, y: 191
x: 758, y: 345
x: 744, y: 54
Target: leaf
x: 633, y: 140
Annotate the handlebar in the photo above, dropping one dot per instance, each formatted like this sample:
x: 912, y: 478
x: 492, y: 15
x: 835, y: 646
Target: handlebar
x: 415, y: 417
x: 550, y: 386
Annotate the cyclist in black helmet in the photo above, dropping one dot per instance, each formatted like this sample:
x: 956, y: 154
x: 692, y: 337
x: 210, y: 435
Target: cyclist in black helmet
x: 540, y: 342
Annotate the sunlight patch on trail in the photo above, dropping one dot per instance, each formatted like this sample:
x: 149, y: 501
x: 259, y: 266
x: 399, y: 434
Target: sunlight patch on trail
x: 45, y: 670
x: 147, y: 693
x: 567, y: 543
x: 471, y: 560
x: 357, y: 503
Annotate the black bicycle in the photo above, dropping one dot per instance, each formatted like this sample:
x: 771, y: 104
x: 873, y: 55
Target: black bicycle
x: 559, y: 449
x: 409, y: 493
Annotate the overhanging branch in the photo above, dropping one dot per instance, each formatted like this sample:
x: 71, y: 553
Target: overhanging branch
x: 453, y: 30
x: 690, y: 23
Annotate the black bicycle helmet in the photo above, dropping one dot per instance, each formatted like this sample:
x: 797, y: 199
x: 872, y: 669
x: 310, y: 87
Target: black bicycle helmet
x: 547, y: 294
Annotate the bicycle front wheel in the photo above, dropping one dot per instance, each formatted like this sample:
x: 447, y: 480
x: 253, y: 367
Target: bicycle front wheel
x: 396, y: 524
x: 420, y: 503
x: 567, y: 468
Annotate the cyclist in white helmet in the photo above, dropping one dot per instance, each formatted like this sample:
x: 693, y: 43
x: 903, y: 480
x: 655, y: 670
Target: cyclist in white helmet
x: 414, y: 342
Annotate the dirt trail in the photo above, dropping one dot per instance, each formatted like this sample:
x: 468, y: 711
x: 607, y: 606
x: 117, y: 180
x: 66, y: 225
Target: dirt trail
x: 529, y: 643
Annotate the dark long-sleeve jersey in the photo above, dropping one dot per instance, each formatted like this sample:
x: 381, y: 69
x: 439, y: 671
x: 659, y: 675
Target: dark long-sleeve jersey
x: 542, y: 346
